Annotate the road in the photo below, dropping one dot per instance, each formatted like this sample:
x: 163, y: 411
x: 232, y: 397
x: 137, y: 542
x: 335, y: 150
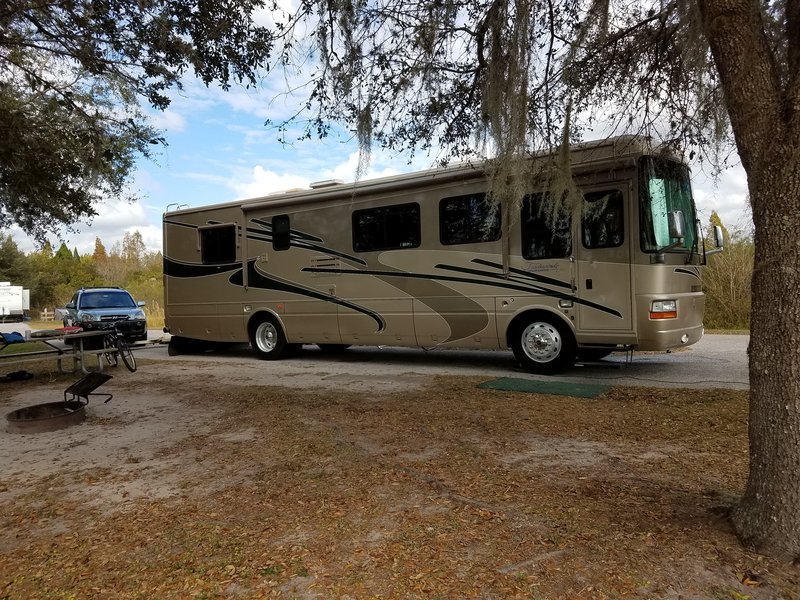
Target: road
x: 717, y: 361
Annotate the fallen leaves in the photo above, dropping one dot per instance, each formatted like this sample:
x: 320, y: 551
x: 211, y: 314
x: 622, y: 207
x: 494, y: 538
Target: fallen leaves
x: 453, y: 491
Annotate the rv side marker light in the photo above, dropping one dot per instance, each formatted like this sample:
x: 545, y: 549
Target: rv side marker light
x: 565, y: 303
x: 664, y: 309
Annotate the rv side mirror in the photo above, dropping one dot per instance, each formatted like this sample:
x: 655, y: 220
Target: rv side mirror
x: 677, y: 225
x: 719, y: 240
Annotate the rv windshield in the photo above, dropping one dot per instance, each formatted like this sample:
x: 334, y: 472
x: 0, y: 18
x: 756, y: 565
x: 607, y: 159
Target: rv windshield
x: 664, y: 189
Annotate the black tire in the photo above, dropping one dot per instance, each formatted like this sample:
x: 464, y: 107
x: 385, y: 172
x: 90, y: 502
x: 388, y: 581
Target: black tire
x: 111, y: 357
x: 125, y: 352
x: 293, y: 350
x: 333, y: 348
x: 543, y: 346
x: 592, y: 354
x: 267, y: 339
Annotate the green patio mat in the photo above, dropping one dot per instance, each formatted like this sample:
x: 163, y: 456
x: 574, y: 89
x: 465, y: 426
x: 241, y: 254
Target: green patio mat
x: 561, y: 388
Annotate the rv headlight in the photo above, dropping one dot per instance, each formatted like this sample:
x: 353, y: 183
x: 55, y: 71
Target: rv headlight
x: 664, y: 309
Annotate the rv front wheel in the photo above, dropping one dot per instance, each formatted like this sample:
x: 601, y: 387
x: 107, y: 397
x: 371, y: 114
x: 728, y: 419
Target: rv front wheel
x: 543, y: 347
x: 267, y: 339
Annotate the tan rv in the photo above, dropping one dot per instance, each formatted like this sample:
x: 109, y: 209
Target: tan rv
x: 424, y: 260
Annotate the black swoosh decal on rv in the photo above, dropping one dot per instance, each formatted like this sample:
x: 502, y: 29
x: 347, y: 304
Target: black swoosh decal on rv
x: 688, y: 272
x: 174, y: 268
x: 264, y: 224
x: 262, y: 281
x: 526, y: 274
x: 179, y: 224
x: 257, y: 279
x: 494, y: 283
x: 297, y: 239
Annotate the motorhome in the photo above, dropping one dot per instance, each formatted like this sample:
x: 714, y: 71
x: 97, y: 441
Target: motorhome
x: 427, y: 260
x: 15, y: 302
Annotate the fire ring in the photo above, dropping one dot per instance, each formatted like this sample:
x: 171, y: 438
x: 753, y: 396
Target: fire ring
x: 50, y: 416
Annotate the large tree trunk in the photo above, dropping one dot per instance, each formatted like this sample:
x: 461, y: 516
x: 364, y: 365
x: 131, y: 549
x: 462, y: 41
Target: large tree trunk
x: 764, y: 115
x: 768, y: 517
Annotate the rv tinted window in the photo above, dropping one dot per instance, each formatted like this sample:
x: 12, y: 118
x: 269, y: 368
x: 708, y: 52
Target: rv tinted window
x: 542, y: 235
x: 603, y: 223
x: 218, y: 244
x: 280, y: 232
x: 468, y: 219
x: 386, y: 228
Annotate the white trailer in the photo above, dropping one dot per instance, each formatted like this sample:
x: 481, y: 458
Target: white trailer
x: 15, y: 302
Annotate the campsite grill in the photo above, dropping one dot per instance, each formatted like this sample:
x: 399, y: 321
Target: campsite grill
x: 52, y: 416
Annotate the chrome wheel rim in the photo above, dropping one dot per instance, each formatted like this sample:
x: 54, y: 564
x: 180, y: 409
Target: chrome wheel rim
x: 541, y: 342
x: 266, y: 337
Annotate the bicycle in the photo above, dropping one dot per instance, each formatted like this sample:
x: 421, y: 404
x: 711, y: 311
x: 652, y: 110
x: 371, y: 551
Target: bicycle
x: 114, y: 341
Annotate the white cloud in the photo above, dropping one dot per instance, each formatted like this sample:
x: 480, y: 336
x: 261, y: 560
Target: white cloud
x: 168, y: 120
x: 274, y: 176
x: 726, y: 194
x: 23, y: 242
x: 262, y: 182
x: 267, y: 17
x: 113, y: 220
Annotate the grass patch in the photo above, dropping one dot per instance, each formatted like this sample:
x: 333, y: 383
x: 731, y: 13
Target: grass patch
x: 21, y: 347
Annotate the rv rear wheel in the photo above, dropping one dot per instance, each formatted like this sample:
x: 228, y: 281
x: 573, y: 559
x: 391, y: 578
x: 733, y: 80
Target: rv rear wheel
x: 543, y: 346
x: 267, y: 339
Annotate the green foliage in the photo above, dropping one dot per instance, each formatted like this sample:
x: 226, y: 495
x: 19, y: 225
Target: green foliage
x: 726, y: 282
x: 53, y: 278
x: 727, y: 277
x: 71, y: 77
x: 57, y: 157
x: 13, y: 262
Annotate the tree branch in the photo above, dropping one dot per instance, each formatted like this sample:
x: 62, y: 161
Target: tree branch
x: 747, y: 67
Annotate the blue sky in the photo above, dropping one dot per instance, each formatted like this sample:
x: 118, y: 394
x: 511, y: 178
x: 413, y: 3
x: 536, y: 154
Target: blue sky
x: 219, y: 150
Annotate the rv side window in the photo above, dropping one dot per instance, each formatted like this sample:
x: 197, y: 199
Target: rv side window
x: 603, y: 224
x: 386, y: 228
x: 544, y: 235
x: 468, y: 219
x: 280, y: 232
x: 218, y: 244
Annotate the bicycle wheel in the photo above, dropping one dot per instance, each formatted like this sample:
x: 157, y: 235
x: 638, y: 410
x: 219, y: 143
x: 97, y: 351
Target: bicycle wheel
x: 125, y: 352
x: 111, y: 357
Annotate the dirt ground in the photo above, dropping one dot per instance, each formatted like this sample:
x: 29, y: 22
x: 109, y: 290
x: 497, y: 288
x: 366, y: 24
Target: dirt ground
x: 199, y: 480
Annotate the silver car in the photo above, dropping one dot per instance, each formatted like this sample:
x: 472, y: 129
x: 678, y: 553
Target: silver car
x: 99, y: 308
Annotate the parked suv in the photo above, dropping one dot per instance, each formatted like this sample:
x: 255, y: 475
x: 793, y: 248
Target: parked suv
x: 97, y: 308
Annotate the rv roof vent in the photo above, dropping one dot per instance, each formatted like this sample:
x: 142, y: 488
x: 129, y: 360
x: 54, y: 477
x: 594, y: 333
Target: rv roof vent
x: 325, y: 183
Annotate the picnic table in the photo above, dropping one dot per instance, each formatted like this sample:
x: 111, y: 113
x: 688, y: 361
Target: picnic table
x: 61, y: 344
